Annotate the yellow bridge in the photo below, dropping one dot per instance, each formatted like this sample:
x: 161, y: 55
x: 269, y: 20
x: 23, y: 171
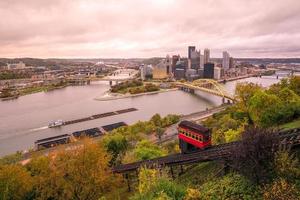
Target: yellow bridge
x: 206, y: 85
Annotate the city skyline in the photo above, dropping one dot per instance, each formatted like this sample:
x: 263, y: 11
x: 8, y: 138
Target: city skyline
x: 140, y: 29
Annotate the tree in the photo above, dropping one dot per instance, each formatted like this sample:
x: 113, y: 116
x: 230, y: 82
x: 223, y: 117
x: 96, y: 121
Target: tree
x: 253, y: 156
x: 231, y: 186
x: 244, y: 92
x: 146, y: 150
x: 152, y: 185
x: 15, y: 182
x: 294, y: 84
x: 156, y: 119
x: 287, y: 165
x: 192, y: 194
x: 11, y: 159
x: 82, y: 173
x: 159, y: 132
x: 116, y: 145
x: 232, y: 135
x: 265, y: 109
x: 281, y: 190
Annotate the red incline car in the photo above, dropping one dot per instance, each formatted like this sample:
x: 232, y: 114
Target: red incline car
x: 193, y: 136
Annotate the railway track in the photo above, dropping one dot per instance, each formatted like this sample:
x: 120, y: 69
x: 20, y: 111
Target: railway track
x: 218, y: 152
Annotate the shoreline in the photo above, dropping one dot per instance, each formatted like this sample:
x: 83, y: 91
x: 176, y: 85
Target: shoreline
x: 116, y: 96
x: 108, y: 98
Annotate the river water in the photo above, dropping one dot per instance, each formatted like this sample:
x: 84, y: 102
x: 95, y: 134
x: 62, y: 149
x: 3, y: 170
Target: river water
x: 24, y: 120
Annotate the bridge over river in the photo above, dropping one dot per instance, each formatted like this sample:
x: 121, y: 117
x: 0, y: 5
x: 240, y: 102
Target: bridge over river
x: 206, y: 85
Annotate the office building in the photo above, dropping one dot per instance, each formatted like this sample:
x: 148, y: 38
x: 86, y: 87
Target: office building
x: 225, y: 62
x: 162, y: 69
x: 175, y: 58
x: 209, y: 70
x: 190, y: 50
x: 180, y: 69
x: 195, y: 60
x: 191, y: 74
x: 206, y: 56
x: 231, y: 63
x: 217, y: 73
x: 201, y: 61
x: 146, y: 71
x: 168, y: 64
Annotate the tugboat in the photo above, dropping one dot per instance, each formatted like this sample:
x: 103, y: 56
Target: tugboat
x: 56, y: 124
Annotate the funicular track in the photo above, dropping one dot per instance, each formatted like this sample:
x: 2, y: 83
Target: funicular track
x: 288, y: 139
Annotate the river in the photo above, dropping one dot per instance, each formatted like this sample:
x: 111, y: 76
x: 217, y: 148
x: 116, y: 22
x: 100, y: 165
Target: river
x: 24, y: 120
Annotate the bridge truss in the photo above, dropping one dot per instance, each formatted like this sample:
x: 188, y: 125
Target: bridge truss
x: 206, y: 85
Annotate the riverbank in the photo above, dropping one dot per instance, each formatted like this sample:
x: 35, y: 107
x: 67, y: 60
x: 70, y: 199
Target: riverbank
x: 112, y: 96
x: 32, y: 90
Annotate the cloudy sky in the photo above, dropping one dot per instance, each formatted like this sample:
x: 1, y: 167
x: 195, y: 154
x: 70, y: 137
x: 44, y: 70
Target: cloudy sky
x: 147, y: 28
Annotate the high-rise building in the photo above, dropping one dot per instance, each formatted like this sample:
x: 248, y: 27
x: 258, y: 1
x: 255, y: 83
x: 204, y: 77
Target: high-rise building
x: 217, y: 73
x: 160, y: 70
x: 146, y: 71
x: 231, y: 62
x: 195, y: 60
x: 209, y: 70
x: 180, y: 69
x: 201, y: 61
x: 175, y: 58
x: 168, y: 64
x: 206, y: 56
x: 225, y: 63
x: 190, y: 50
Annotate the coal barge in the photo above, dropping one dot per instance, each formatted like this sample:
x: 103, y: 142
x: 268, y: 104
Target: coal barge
x: 67, y: 138
x: 96, y: 116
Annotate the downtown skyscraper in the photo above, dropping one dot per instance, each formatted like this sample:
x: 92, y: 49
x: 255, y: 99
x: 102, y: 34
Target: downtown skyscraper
x: 226, y: 60
x: 206, y: 56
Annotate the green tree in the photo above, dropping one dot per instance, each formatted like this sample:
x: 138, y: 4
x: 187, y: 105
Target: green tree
x: 159, y: 132
x: 116, y: 145
x: 15, y: 182
x: 231, y: 186
x: 145, y: 150
x: 156, y: 119
x: 265, y: 109
x: 244, y: 92
x: 11, y: 159
x: 152, y: 186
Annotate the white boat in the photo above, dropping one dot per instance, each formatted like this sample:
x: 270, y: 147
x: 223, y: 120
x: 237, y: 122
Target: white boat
x: 56, y: 123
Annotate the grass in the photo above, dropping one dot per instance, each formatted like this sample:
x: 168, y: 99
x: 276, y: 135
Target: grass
x: 291, y: 125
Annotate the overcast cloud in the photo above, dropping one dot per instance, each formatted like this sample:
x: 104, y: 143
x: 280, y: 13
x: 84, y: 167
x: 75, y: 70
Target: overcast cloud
x: 147, y: 28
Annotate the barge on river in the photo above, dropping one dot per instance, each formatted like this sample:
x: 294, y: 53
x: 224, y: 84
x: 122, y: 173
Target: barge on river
x: 96, y: 116
x: 67, y: 138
